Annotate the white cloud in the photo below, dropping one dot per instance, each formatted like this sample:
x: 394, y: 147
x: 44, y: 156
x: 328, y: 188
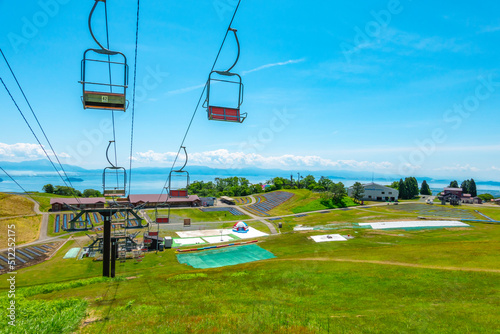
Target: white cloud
x: 458, y: 168
x: 222, y: 158
x: 24, y: 151
x: 260, y: 68
x: 263, y: 67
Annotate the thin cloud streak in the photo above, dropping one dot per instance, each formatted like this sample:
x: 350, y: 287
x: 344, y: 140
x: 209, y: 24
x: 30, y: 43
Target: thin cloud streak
x: 260, y: 68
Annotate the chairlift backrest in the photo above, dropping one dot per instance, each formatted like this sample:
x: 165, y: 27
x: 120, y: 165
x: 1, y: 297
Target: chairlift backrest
x: 98, y: 94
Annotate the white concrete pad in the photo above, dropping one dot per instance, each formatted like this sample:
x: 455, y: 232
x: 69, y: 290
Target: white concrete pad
x: 415, y: 224
x: 215, y: 239
x: 328, y: 237
x: 203, y: 233
x: 303, y: 228
x: 252, y: 233
x: 189, y: 241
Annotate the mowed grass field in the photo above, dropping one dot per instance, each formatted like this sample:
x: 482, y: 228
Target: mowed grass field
x: 419, y: 281
x: 196, y: 215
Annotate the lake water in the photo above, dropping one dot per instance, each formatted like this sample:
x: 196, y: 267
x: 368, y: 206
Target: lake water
x: 147, y: 183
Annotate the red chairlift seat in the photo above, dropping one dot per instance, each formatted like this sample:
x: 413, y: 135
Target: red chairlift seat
x: 225, y: 114
x: 178, y: 193
x: 181, y: 191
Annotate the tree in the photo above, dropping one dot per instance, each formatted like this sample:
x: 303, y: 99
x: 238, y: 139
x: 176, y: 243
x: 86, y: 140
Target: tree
x: 486, y: 197
x: 338, y: 191
x: 465, y: 187
x: 324, y: 183
x: 472, y: 188
x: 48, y: 188
x: 425, y: 189
x: 91, y: 193
x: 454, y: 184
x: 403, y: 194
x: 67, y: 191
x: 309, y: 182
x: 358, y: 191
x: 394, y: 185
x: 411, y: 187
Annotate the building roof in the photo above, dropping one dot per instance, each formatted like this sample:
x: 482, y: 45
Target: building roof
x: 453, y: 189
x: 74, y: 201
x: 157, y: 198
x: 466, y: 195
x: 151, y: 198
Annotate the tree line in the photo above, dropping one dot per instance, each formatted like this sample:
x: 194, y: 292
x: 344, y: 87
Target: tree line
x: 408, y: 189
x: 68, y: 191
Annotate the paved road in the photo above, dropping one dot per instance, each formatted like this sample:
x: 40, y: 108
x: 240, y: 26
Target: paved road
x: 42, y: 235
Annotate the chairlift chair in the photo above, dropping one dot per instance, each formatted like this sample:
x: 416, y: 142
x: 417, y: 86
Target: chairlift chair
x: 227, y: 112
x: 180, y: 173
x: 162, y: 218
x: 114, y: 179
x: 98, y: 94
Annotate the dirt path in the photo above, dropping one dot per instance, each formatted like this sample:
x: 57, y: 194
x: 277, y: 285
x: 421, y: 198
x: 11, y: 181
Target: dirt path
x: 390, y: 263
x: 271, y: 227
x: 42, y: 235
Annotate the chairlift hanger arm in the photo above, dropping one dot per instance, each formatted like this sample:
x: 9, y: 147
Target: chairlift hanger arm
x: 185, y: 163
x: 90, y: 24
x: 238, y: 43
x: 107, y: 153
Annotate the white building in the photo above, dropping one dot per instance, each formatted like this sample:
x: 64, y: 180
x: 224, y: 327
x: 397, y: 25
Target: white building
x: 377, y: 192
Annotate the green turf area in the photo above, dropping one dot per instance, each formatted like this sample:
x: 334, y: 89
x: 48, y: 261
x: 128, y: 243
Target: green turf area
x: 301, y: 198
x: 196, y: 215
x: 438, y: 211
x: 425, y: 281
x: 224, y: 256
x: 318, y: 205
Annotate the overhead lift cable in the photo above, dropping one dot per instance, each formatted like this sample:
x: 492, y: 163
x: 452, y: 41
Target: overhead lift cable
x: 39, y: 125
x: 201, y: 96
x: 39, y: 143
x: 133, y: 99
x: 27, y: 193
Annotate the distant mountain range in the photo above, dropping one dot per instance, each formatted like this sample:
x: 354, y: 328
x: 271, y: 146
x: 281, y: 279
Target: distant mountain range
x: 75, y: 172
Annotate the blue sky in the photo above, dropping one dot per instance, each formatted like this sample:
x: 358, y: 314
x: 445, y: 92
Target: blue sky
x: 406, y: 87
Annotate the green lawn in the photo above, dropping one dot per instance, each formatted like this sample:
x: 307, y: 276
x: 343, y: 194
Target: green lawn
x: 196, y: 215
x: 301, y: 198
x: 447, y: 281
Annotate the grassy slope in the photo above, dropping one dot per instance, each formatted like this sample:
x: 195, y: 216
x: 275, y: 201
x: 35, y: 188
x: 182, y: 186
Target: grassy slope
x: 13, y: 205
x: 289, y: 294
x: 26, y: 229
x: 197, y: 215
x: 302, y: 197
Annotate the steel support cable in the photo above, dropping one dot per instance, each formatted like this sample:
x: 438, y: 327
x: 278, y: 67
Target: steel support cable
x: 36, y: 118
x: 38, y: 140
x: 202, y: 93
x: 111, y: 90
x: 3, y: 170
x: 133, y: 99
